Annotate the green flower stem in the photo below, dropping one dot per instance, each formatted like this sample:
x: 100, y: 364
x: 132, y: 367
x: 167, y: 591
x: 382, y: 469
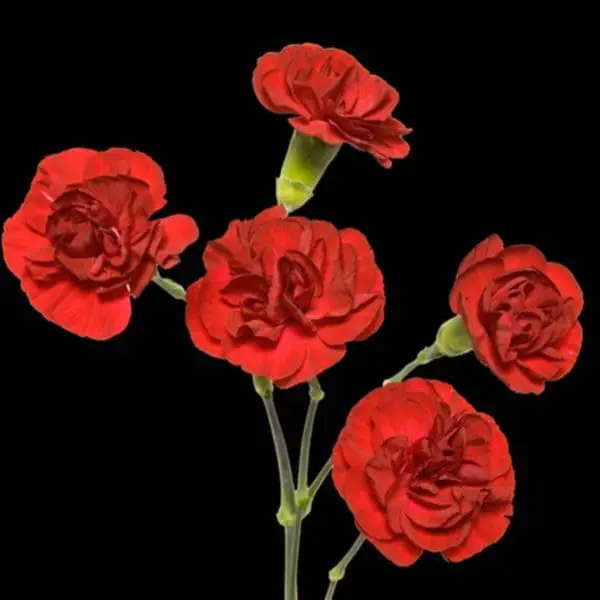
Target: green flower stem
x: 426, y: 355
x: 168, y: 285
x: 302, y: 495
x: 337, y: 573
x: 319, y: 480
x: 292, y: 535
x: 287, y: 513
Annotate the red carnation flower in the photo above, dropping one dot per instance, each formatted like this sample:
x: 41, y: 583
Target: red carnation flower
x: 82, y: 242
x: 521, y: 312
x: 283, y: 296
x: 421, y: 470
x: 334, y: 99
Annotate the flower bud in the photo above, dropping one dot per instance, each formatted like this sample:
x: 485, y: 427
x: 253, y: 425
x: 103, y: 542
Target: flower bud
x: 306, y: 160
x: 453, y: 339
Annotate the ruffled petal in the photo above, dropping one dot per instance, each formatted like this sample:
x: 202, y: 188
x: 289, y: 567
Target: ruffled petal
x: 78, y: 310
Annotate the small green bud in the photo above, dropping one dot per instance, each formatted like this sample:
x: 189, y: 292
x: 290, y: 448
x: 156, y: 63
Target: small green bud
x: 453, y: 339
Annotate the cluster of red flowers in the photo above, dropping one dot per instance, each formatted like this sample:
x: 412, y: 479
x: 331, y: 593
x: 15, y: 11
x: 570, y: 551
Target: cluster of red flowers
x: 282, y: 297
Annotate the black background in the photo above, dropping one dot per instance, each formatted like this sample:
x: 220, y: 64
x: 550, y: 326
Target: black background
x: 140, y: 466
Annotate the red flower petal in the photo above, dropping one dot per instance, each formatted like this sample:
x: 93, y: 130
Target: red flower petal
x: 326, y: 250
x: 18, y: 239
x: 499, y: 452
x: 376, y: 323
x: 568, y: 349
x: 78, y: 310
x: 488, y: 248
x: 179, y: 231
x: 267, y: 359
x: 282, y: 236
x: 522, y: 257
x: 471, y: 283
x: 319, y: 358
x: 319, y: 129
x: 510, y: 373
x: 541, y: 367
x: 368, y: 513
x: 356, y: 445
x: 336, y: 301
x: 566, y: 283
x: 57, y: 171
x: 435, y: 540
x: 401, y: 551
x: 404, y: 414
x: 122, y: 161
x: 198, y: 332
x: 210, y: 307
x: 366, y: 269
x: 502, y: 492
x: 443, y: 390
x: 487, y: 529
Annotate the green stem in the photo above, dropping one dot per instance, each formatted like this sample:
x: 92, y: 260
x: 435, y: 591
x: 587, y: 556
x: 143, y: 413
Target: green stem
x: 287, y: 510
x: 337, y: 573
x: 302, y: 499
x: 426, y: 355
x: 287, y: 515
x: 316, y: 395
x: 168, y: 285
x: 292, y: 548
x: 319, y: 479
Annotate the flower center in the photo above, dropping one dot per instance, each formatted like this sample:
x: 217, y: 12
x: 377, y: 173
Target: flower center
x: 273, y: 299
x: 524, y: 312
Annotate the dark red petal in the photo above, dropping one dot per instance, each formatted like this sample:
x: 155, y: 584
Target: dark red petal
x: 122, y: 161
x: 178, y: 232
x: 487, y: 529
x: 400, y: 550
x: 319, y: 358
x: 18, y: 240
x: 519, y: 257
x: 78, y: 310
x: 502, y: 493
x: 566, y: 283
x: 488, y: 248
x: 193, y: 320
x: 471, y: 283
